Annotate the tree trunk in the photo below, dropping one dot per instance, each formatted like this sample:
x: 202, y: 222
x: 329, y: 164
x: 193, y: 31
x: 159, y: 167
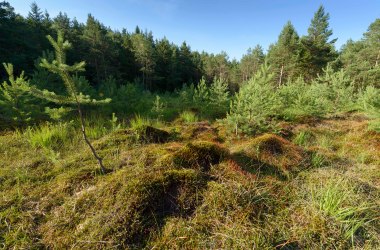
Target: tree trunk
x: 281, y: 73
x: 377, y: 59
x: 83, y: 129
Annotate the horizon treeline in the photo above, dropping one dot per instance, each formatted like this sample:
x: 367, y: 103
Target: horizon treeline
x: 159, y: 65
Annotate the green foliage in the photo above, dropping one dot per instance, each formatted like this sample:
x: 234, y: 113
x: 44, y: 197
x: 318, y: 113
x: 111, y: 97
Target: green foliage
x: 361, y: 59
x: 255, y: 104
x: 317, y: 160
x: 340, y: 87
x: 127, y: 99
x: 333, y: 200
x: 17, y: 106
x: 303, y: 138
x: 72, y: 84
x: 283, y: 56
x: 139, y: 121
x: 331, y: 92
x: 300, y: 99
x: 219, y: 95
x: 369, y: 102
x: 158, y: 107
x: 316, y: 51
x: 250, y: 63
x: 211, y: 101
x: 188, y: 117
x: 201, y: 93
x: 57, y: 114
x: 50, y: 136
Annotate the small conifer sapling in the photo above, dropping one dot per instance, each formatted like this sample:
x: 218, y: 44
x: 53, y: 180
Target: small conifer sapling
x: 59, y: 66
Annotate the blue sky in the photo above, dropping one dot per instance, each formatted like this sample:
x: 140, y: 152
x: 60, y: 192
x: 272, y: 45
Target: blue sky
x: 217, y: 25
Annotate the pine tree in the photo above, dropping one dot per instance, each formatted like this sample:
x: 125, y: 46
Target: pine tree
x: 6, y: 11
x: 250, y: 62
x: 145, y: 57
x: 164, y: 56
x: 255, y: 103
x: 316, y: 49
x: 59, y: 66
x: 17, y: 106
x: 35, y: 14
x: 97, y: 48
x: 283, y: 56
x: 361, y: 59
x: 185, y: 63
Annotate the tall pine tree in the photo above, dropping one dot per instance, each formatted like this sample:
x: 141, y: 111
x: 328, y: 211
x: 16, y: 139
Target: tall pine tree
x: 284, y: 55
x: 316, y: 48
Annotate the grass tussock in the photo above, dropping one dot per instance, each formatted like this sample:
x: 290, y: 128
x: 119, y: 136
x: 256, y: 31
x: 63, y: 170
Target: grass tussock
x: 121, y: 211
x: 188, y: 117
x: 197, y: 155
x: 202, y: 131
x: 275, y: 151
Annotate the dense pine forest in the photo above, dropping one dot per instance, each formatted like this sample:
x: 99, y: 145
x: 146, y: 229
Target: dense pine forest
x: 117, y: 139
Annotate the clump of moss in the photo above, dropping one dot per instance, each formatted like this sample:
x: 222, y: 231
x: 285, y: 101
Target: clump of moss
x: 201, y: 131
x: 124, y: 210
x: 229, y: 217
x: 116, y: 138
x: 197, y: 155
x: 275, y: 151
x: 149, y: 134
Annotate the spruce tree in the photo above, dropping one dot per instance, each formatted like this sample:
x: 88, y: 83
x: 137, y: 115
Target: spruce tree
x: 59, y: 66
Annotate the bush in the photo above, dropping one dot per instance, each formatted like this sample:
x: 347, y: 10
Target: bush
x: 212, y: 101
x: 300, y: 99
x: 330, y: 92
x: 255, y: 104
x: 369, y: 102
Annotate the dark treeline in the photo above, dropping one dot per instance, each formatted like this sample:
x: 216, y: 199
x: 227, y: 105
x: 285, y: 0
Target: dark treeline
x: 160, y: 65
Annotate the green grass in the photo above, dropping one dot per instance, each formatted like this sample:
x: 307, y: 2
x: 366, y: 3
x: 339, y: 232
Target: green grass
x: 333, y: 200
x: 303, y: 138
x: 188, y: 117
x: 49, y: 136
x: 139, y: 121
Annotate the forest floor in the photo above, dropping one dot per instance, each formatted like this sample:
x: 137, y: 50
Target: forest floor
x: 312, y: 185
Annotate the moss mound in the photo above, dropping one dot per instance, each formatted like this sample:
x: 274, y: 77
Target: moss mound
x: 122, y: 211
x: 275, y: 151
x: 149, y: 134
x: 197, y: 155
x: 116, y: 138
x: 201, y: 131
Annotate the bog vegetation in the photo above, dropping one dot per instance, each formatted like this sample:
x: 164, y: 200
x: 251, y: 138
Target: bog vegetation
x: 280, y: 150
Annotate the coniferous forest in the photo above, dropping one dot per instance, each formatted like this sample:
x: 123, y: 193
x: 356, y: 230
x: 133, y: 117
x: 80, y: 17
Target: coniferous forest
x: 117, y: 139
